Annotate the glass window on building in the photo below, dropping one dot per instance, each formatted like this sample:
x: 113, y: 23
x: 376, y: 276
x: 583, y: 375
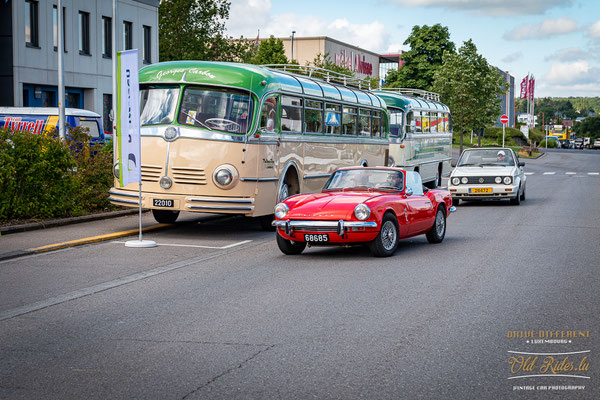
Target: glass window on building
x: 106, y: 108
x: 127, y: 35
x: 32, y: 35
x: 106, y: 37
x: 147, y: 44
x: 333, y: 114
x: 84, y: 33
x: 55, y: 28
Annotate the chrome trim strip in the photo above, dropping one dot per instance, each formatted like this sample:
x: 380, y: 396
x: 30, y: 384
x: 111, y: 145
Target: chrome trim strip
x: 316, y: 176
x: 332, y: 226
x: 214, y: 200
x: 259, y: 179
x: 123, y: 201
x: 218, y: 208
x: 137, y: 196
x: 193, y: 133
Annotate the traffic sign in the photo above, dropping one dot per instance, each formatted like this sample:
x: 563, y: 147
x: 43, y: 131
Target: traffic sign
x: 504, y: 119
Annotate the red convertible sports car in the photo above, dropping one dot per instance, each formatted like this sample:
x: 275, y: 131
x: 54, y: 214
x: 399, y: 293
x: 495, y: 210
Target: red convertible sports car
x: 358, y: 205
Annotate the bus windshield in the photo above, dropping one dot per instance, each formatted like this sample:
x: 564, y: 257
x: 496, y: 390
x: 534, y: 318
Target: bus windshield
x: 223, y: 110
x: 158, y: 104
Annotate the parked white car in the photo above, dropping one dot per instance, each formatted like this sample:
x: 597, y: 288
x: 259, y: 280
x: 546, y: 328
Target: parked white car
x: 596, y: 144
x: 488, y: 174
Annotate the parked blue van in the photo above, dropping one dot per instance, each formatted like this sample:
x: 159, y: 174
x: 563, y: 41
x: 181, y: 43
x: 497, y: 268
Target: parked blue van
x: 43, y: 119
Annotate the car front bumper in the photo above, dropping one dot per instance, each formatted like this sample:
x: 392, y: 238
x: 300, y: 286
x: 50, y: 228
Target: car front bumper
x: 495, y: 192
x: 342, y: 231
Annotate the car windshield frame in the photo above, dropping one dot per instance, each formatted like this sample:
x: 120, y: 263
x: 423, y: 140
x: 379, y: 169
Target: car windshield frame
x: 486, y: 158
x: 365, y: 179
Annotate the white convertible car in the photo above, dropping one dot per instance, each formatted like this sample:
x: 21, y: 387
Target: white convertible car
x: 488, y: 174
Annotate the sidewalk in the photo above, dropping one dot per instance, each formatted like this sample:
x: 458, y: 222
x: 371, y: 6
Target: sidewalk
x: 25, y: 240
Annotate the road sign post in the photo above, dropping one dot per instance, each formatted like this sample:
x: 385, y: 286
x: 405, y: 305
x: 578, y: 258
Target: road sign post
x: 504, y: 120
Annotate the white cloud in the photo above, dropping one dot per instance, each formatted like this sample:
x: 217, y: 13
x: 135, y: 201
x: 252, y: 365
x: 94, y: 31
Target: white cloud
x: 545, y: 29
x: 573, y: 73
x: 395, y: 48
x: 595, y: 30
x: 247, y: 16
x: 568, y: 54
x: 512, y: 57
x: 490, y: 7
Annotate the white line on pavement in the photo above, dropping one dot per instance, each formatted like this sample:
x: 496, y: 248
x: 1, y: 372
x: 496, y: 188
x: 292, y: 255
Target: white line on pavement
x: 594, y: 173
x: 549, y: 173
x: 529, y: 173
x: 197, y: 245
x: 570, y: 173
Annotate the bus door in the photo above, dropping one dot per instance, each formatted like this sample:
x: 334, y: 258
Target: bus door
x: 268, y: 168
x: 291, y: 149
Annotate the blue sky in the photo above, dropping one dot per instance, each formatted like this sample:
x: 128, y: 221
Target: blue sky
x: 558, y: 41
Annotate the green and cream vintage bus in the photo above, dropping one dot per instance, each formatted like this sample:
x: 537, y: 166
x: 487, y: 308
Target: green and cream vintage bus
x: 234, y: 138
x: 420, y: 133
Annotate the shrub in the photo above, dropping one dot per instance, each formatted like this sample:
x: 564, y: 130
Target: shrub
x: 551, y: 144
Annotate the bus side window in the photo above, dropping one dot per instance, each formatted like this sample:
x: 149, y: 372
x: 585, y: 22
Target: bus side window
x: 313, y: 116
x: 291, y: 114
x: 410, y: 126
x: 396, y: 123
x: 418, y: 124
x: 333, y: 118
x: 433, y: 122
x: 376, y: 118
x: 364, y: 122
x: 268, y: 115
x: 425, y: 121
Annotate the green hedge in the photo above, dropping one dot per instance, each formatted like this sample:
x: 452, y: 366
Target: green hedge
x: 551, y: 144
x: 44, y: 177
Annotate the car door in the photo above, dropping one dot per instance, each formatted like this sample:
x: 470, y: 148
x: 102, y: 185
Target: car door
x: 419, y: 207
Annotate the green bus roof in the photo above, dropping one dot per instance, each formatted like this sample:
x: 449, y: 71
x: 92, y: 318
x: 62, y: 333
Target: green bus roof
x: 406, y: 102
x: 254, y: 78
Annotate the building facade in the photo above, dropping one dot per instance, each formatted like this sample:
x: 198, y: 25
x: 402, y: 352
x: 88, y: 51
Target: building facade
x: 507, y: 103
x: 363, y: 62
x: 29, y: 40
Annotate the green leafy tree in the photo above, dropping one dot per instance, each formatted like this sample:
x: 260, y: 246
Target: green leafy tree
x: 427, y: 47
x: 470, y: 87
x: 588, y: 127
x: 270, y: 51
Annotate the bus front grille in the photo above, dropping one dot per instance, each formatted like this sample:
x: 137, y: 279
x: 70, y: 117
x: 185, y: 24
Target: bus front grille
x: 151, y: 173
x: 189, y: 176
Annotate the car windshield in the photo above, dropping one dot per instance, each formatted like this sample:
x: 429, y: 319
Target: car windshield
x: 223, y: 110
x: 486, y: 157
x: 365, y: 179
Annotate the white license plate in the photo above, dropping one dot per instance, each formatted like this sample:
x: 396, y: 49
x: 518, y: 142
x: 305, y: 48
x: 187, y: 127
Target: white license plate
x: 162, y: 203
x: 316, y: 238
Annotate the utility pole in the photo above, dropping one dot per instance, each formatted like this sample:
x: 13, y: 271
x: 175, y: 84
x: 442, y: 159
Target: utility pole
x: 293, y: 32
x: 61, y: 84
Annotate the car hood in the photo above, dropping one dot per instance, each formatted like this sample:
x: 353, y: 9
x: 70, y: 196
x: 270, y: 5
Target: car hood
x: 330, y: 205
x: 484, y: 171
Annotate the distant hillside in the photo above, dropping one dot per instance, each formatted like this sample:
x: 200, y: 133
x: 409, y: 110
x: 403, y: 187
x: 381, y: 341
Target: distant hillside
x: 568, y: 107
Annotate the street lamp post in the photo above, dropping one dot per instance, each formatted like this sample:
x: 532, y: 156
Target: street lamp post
x: 293, y: 45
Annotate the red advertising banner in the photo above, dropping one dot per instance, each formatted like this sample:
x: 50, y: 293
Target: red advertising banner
x: 524, y: 88
x: 531, y: 88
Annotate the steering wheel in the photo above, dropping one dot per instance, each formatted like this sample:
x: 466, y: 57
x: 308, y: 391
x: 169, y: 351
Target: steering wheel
x: 222, y: 123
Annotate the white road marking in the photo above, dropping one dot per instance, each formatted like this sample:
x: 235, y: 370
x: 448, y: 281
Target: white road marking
x: 549, y: 173
x: 199, y: 246
x: 529, y: 173
x: 570, y: 173
x: 594, y: 173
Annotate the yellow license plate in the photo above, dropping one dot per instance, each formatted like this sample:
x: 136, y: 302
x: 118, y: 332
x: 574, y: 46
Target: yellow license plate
x: 480, y: 190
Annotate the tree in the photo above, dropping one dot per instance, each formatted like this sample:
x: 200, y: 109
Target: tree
x: 427, y: 47
x: 588, y: 127
x: 270, y: 51
x: 194, y: 30
x: 470, y: 87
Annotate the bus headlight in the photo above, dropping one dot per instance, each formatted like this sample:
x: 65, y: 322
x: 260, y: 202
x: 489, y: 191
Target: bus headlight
x: 362, y: 212
x: 507, y: 180
x: 165, y: 182
x: 455, y: 181
x: 225, y: 176
x: 281, y: 210
x: 116, y: 170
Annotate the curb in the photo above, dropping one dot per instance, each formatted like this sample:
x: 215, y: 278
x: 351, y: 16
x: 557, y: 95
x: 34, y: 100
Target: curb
x: 51, y: 223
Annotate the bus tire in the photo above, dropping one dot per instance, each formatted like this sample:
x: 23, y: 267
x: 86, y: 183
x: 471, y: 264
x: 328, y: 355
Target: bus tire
x: 265, y: 222
x: 165, y: 216
x: 289, y: 247
x: 289, y: 186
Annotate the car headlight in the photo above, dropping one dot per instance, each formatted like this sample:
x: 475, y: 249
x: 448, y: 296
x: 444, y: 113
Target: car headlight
x: 225, y: 176
x: 281, y: 210
x: 464, y: 180
x: 507, y: 180
x: 455, y: 181
x: 116, y: 170
x: 498, y: 179
x: 362, y: 212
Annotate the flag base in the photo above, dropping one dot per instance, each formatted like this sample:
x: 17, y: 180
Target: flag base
x: 140, y: 243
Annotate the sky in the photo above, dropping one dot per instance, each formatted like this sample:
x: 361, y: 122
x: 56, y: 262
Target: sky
x: 558, y: 41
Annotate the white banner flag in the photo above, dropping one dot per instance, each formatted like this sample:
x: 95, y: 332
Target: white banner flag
x: 128, y: 117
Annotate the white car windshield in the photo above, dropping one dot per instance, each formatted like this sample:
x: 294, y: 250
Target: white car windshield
x: 486, y: 157
x: 365, y: 179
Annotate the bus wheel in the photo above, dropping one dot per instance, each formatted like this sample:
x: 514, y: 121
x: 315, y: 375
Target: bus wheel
x: 265, y: 222
x: 289, y: 186
x: 165, y: 216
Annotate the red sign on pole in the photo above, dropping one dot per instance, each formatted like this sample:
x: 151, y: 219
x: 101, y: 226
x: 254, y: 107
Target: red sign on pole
x: 504, y: 119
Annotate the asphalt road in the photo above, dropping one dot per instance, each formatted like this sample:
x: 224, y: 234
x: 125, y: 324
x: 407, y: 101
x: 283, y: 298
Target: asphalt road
x: 216, y: 311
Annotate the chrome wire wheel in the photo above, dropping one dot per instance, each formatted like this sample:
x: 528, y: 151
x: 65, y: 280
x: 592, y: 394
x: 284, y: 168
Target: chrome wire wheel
x: 440, y: 223
x: 388, y: 235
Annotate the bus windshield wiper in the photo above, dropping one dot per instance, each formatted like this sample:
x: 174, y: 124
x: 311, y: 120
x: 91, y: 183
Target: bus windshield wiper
x: 197, y: 120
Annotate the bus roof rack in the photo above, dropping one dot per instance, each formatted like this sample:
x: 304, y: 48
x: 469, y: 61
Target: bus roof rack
x: 323, y: 74
x: 414, y: 92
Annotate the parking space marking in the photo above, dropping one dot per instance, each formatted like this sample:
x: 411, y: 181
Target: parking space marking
x: 198, y: 246
x: 594, y: 173
x: 549, y: 173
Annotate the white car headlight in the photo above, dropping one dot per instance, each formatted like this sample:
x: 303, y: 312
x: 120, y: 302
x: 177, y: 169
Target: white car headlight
x: 455, y: 181
x: 281, y: 210
x: 464, y: 180
x: 362, y: 212
x: 507, y: 180
x: 498, y: 179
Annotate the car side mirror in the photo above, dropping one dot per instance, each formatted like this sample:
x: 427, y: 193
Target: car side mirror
x: 408, y: 191
x: 453, y: 163
x: 521, y: 163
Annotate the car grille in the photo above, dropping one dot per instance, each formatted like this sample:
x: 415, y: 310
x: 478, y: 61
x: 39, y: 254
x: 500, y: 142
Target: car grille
x: 474, y: 180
